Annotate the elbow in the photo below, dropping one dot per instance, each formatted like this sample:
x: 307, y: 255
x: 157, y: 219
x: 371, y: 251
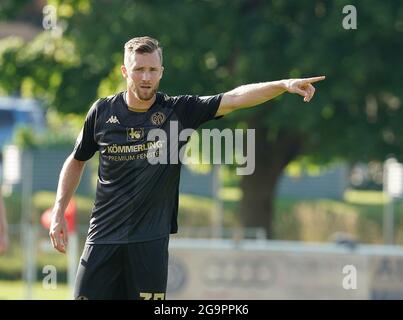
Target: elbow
x: 229, y: 103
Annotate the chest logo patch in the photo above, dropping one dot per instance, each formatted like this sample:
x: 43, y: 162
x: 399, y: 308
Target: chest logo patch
x: 113, y: 119
x: 134, y: 134
x: 158, y: 118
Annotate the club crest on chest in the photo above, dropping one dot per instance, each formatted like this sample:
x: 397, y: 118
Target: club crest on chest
x: 158, y: 118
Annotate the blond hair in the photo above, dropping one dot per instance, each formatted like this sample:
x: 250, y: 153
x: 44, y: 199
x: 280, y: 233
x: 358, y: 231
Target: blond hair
x: 142, y: 45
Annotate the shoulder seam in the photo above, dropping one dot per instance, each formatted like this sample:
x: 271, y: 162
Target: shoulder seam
x: 177, y: 115
x: 98, y: 103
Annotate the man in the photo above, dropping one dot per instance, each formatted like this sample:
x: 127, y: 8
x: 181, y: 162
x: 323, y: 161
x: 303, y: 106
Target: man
x: 3, y: 226
x: 126, y: 252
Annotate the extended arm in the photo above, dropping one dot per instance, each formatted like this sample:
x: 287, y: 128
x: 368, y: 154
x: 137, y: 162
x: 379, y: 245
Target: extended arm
x: 253, y: 94
x: 69, y: 179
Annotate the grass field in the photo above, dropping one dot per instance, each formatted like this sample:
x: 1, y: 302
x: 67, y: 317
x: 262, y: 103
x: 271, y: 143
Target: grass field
x: 16, y: 290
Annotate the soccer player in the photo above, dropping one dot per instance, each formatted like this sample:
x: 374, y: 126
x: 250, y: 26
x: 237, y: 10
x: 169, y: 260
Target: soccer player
x: 135, y: 210
x: 3, y: 226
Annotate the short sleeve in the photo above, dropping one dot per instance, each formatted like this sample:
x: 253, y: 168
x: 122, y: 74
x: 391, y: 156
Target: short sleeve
x: 86, y: 145
x: 193, y: 111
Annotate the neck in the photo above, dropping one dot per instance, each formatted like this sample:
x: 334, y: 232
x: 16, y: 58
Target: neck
x: 133, y: 102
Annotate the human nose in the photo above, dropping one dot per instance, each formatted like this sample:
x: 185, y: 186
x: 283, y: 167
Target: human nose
x: 145, y: 76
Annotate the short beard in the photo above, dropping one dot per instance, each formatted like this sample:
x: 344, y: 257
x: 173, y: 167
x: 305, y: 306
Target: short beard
x: 146, y: 97
x: 142, y: 96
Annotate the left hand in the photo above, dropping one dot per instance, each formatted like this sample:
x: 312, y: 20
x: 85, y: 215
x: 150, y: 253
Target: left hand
x: 303, y: 87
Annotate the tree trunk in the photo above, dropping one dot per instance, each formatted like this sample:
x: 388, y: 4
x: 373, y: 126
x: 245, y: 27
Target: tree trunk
x: 259, y: 189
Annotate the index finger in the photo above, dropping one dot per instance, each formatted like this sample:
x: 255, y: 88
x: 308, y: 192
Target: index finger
x: 314, y: 79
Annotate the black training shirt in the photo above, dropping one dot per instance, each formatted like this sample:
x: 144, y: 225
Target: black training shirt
x: 136, y: 200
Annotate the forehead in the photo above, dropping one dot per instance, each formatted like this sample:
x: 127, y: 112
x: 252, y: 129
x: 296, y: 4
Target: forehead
x: 144, y: 59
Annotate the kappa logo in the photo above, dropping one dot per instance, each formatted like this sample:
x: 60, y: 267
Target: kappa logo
x: 113, y: 119
x: 158, y: 118
x: 134, y: 134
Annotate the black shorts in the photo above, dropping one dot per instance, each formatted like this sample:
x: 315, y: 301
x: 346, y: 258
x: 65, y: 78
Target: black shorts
x: 124, y: 271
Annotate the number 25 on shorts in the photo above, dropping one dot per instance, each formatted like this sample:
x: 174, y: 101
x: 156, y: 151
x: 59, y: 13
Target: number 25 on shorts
x: 152, y: 296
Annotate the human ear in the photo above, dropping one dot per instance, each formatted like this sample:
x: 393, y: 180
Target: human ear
x: 124, y: 71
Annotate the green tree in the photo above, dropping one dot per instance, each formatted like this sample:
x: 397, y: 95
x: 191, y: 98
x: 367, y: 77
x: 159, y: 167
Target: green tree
x: 213, y: 46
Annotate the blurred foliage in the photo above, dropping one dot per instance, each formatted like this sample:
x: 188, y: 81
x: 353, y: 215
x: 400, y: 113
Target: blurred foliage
x: 12, y: 263
x: 37, y: 68
x: 62, y: 130
x: 213, y: 46
x: 13, y: 206
x: 10, y: 8
x: 247, y: 41
x: 318, y: 220
x: 314, y: 220
x: 25, y: 137
x: 42, y: 201
x: 189, y: 214
x: 295, y: 219
x: 45, y: 199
